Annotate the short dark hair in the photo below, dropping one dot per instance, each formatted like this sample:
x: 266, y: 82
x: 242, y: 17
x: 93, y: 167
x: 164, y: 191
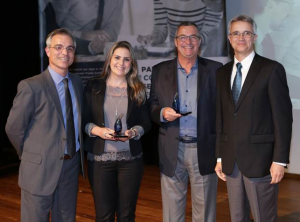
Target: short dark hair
x: 186, y: 23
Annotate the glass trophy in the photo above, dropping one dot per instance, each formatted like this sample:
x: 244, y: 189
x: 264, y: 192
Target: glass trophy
x: 118, y: 128
x: 176, y: 106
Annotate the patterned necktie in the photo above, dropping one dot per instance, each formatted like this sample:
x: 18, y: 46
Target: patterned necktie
x: 236, y: 87
x: 71, y: 142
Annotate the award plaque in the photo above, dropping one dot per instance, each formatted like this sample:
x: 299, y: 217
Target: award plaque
x: 176, y: 106
x: 118, y: 128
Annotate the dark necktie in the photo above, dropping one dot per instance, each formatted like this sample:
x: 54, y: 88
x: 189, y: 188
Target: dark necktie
x: 237, y: 83
x: 71, y: 142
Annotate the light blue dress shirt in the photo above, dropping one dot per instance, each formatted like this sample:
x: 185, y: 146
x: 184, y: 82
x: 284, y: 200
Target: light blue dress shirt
x: 187, y: 89
x: 61, y: 94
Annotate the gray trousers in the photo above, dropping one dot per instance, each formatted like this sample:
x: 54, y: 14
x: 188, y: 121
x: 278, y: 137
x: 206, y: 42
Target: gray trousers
x: 203, y: 189
x: 62, y: 203
x: 261, y: 195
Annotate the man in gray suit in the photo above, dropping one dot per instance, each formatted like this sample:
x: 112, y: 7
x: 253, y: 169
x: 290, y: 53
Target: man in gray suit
x: 186, y: 141
x: 44, y: 126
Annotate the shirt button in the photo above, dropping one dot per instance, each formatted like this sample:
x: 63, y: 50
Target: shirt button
x: 235, y: 114
x: 185, y: 105
x: 187, y: 91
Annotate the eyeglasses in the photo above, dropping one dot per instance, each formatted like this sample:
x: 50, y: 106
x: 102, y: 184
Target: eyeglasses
x: 245, y: 34
x: 60, y: 48
x: 192, y: 38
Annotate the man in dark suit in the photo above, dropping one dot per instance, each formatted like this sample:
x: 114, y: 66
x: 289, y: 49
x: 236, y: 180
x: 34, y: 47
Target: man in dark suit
x: 186, y: 142
x: 44, y: 126
x: 254, y: 126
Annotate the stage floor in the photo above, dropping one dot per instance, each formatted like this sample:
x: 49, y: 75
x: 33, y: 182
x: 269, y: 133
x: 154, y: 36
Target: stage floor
x: 149, y: 207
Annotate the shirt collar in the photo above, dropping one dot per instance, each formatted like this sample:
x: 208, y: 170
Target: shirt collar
x: 246, y: 61
x: 56, y: 77
x: 195, y: 66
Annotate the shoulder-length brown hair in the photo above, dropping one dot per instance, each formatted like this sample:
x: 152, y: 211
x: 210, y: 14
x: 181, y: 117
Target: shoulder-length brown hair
x: 138, y: 92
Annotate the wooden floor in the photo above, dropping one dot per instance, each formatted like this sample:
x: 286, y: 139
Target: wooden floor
x: 149, y: 208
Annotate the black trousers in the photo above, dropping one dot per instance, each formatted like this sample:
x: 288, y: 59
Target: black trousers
x: 115, y: 186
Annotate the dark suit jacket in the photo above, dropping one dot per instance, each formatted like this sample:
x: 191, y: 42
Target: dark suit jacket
x: 258, y: 130
x: 163, y: 88
x: 93, y: 112
x: 35, y: 127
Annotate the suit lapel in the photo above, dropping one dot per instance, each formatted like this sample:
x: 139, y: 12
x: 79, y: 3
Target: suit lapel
x: 251, y: 76
x: 227, y: 77
x: 201, y: 78
x: 53, y: 94
x: 99, y: 92
x: 172, y: 80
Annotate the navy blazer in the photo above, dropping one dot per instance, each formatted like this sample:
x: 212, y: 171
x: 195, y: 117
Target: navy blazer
x: 163, y: 88
x: 93, y: 112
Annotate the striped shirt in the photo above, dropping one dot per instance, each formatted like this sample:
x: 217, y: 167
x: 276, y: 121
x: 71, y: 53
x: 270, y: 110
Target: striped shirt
x: 168, y: 14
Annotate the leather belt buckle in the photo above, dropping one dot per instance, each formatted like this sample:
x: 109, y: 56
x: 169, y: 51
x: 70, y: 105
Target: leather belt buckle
x: 188, y: 139
x: 66, y: 157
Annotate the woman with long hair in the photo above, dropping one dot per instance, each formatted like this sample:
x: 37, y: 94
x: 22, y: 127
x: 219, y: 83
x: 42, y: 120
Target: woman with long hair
x: 115, y: 164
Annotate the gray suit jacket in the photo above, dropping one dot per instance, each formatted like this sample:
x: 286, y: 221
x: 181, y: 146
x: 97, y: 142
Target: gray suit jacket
x: 36, y: 129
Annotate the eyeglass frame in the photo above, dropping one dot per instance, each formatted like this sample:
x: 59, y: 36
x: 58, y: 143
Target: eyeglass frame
x: 70, y: 49
x: 245, y: 34
x: 188, y: 37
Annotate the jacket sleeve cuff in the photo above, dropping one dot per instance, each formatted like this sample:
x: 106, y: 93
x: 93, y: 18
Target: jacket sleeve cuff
x: 88, y: 129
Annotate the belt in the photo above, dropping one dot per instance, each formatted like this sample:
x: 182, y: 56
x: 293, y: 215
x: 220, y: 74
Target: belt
x: 188, y: 139
x: 67, y: 156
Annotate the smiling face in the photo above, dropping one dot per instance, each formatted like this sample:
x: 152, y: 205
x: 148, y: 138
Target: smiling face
x: 187, y: 49
x: 120, y: 62
x: 242, y: 45
x: 60, y: 61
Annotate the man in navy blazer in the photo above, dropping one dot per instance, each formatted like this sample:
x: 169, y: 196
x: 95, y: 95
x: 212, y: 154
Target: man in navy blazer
x: 254, y: 126
x: 37, y: 128
x: 186, y: 142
